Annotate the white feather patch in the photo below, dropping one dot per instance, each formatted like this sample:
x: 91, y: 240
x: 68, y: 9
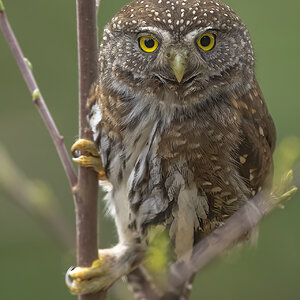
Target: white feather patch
x: 95, y: 119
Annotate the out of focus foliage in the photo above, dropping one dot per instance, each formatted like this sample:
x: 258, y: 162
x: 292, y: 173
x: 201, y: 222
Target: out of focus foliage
x: 285, y: 159
x: 158, y: 255
x: 286, y: 156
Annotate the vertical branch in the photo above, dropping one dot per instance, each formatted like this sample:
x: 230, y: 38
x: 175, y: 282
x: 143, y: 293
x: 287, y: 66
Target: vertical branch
x: 87, y: 188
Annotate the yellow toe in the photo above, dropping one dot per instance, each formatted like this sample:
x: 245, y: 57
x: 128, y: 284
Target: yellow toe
x: 83, y: 145
x: 97, y: 269
x: 90, y: 162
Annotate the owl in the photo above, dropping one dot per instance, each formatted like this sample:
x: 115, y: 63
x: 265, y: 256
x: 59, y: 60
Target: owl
x: 182, y: 134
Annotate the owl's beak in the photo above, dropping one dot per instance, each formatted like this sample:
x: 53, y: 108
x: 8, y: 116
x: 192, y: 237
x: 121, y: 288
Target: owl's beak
x: 178, y: 63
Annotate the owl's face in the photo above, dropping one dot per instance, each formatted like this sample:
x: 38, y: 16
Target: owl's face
x: 180, y: 52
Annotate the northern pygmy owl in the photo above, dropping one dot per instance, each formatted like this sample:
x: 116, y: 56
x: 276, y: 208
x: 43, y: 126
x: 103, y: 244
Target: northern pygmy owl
x: 180, y: 124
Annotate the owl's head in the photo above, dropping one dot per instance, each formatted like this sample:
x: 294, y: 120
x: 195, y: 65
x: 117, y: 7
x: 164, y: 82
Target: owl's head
x: 192, y: 49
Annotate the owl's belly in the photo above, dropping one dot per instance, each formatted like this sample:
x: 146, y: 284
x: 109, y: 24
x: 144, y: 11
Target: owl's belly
x: 124, y: 159
x: 170, y: 172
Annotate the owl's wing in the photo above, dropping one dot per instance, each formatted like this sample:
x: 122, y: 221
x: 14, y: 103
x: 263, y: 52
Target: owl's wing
x: 258, y: 141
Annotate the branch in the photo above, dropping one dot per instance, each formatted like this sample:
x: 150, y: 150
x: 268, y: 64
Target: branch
x: 87, y: 188
x: 35, y: 197
x: 222, y: 239
x: 85, y: 192
x: 38, y: 99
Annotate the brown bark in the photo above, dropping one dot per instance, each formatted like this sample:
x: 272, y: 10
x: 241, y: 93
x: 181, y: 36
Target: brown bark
x: 87, y: 188
x: 222, y: 239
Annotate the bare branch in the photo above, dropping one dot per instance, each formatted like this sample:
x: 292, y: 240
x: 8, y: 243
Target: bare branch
x: 87, y: 189
x: 37, y: 97
x: 221, y: 239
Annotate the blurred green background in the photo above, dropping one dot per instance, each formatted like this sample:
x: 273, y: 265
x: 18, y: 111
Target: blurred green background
x: 32, y: 262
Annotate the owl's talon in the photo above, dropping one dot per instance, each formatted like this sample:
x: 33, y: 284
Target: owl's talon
x: 111, y: 265
x: 80, y: 287
x: 85, y: 154
x: 83, y: 146
x: 85, y: 280
x: 76, y: 153
x: 68, y: 278
x: 83, y: 273
x: 89, y: 162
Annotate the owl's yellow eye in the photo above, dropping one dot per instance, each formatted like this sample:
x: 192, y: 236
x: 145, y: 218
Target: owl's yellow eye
x: 206, y: 41
x: 148, y: 43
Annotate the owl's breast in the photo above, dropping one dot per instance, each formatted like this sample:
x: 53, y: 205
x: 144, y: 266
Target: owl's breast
x: 125, y: 155
x: 173, y: 169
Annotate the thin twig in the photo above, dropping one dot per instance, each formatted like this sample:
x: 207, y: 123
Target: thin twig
x: 37, y: 96
x: 85, y: 192
x: 87, y: 189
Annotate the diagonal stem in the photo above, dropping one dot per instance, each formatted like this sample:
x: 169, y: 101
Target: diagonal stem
x: 85, y: 188
x: 37, y: 97
x: 222, y: 239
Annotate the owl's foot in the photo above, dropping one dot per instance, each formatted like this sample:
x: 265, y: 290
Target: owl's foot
x: 86, y: 155
x: 90, y: 279
x: 112, y: 264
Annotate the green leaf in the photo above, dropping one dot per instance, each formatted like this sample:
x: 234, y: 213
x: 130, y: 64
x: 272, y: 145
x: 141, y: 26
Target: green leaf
x: 286, y: 156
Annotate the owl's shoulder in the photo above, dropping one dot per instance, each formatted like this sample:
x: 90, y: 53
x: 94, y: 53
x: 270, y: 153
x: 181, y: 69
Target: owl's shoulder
x: 104, y: 114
